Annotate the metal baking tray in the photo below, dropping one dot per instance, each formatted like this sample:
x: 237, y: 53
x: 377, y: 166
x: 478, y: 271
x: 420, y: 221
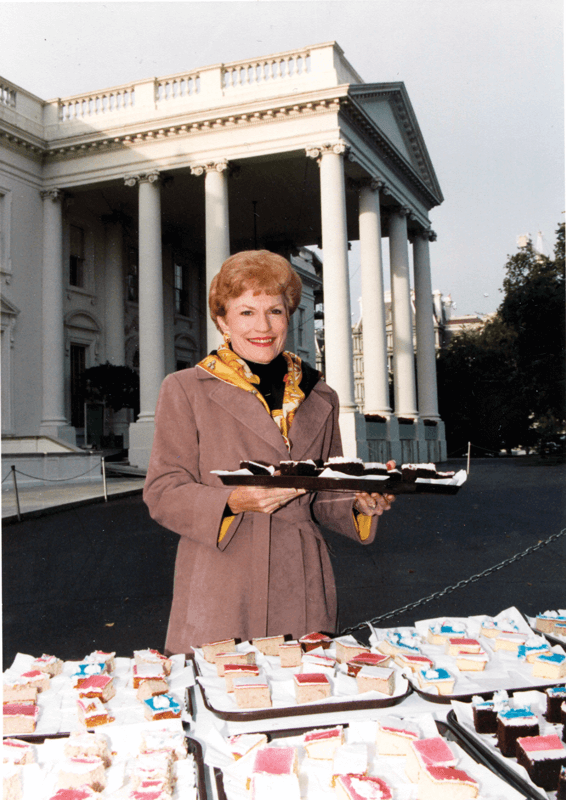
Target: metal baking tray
x: 446, y: 699
x: 494, y: 762
x: 309, y: 709
x: 195, y: 749
x: 313, y: 484
x: 448, y: 730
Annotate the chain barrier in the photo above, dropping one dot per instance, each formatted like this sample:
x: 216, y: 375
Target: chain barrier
x: 9, y: 475
x: 459, y: 585
x: 477, y: 446
x: 53, y: 480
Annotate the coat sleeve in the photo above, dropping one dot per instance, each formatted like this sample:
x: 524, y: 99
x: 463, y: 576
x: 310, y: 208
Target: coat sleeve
x: 173, y: 491
x: 336, y: 511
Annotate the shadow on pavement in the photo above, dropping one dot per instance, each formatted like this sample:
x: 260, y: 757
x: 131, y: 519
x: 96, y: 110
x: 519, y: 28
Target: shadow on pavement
x: 101, y: 576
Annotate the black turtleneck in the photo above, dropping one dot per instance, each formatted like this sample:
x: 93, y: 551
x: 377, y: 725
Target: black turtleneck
x: 271, y: 383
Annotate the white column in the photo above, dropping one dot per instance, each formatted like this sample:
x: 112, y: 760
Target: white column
x: 54, y: 421
x: 217, y: 231
x: 114, y: 294
x: 403, y: 351
x: 338, y: 350
x: 151, y: 328
x: 376, y: 378
x: 426, y: 355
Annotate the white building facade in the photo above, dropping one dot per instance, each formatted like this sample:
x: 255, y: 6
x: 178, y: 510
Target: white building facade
x: 118, y: 207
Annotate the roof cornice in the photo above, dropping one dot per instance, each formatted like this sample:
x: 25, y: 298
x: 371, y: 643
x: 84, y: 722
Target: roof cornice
x: 261, y: 111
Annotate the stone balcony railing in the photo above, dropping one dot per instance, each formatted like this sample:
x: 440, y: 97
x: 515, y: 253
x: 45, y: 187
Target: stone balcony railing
x: 282, y: 74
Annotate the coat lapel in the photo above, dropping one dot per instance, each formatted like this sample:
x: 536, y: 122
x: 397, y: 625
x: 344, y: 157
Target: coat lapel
x: 247, y: 410
x: 311, y: 417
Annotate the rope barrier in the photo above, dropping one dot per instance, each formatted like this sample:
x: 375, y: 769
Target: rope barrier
x: 459, y: 585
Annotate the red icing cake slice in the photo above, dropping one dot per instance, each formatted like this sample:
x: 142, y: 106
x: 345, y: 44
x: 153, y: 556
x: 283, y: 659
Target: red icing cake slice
x: 275, y: 761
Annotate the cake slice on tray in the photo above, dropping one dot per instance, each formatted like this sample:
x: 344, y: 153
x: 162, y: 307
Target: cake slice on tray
x: 311, y: 686
x: 322, y: 744
x: 394, y: 737
x: 543, y: 757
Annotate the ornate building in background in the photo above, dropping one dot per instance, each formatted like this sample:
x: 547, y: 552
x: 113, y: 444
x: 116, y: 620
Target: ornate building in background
x: 118, y: 206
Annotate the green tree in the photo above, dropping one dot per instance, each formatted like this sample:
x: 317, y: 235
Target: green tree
x: 534, y: 308
x: 118, y: 387
x: 478, y: 391
x: 503, y: 386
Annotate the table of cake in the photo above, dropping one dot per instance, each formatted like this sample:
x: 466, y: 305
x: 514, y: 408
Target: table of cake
x: 448, y: 708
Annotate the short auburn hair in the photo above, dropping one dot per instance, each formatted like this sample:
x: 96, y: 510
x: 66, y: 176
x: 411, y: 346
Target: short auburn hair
x: 259, y: 270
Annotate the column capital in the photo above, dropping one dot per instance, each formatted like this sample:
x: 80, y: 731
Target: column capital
x: 425, y: 233
x: 53, y: 194
x: 375, y: 184
x: 152, y: 176
x: 403, y: 211
x: 316, y: 151
x: 210, y: 166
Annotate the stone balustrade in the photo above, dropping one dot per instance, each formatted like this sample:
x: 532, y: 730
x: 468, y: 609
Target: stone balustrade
x: 280, y: 67
x: 303, y: 70
x: 177, y: 86
x: 118, y: 98
x: 8, y: 94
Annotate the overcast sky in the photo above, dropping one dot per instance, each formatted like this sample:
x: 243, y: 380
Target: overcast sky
x: 485, y: 78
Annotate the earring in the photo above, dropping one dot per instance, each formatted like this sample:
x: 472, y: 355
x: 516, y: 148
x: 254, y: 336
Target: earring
x: 226, y: 337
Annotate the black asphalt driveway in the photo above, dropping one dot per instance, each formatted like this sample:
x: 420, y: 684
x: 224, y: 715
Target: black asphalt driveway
x: 100, y: 576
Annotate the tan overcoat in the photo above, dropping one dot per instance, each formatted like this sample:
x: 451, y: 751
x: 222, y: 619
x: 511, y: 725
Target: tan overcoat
x: 269, y: 574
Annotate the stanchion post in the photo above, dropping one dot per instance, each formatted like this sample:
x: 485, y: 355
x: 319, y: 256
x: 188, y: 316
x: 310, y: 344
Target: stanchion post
x: 469, y: 453
x: 104, y: 479
x: 17, y: 494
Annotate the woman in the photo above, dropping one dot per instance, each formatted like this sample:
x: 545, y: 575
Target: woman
x: 251, y: 561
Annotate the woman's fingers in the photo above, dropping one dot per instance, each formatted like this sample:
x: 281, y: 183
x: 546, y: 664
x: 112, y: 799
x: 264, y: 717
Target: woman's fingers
x: 256, y: 498
x: 373, y: 504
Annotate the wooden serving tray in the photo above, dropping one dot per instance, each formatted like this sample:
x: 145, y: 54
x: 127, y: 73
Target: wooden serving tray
x: 353, y: 484
x: 306, y: 710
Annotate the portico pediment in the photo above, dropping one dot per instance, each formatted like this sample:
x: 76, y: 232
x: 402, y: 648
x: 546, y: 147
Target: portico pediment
x: 385, y: 112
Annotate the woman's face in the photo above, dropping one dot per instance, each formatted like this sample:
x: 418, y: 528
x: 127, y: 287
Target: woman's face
x: 257, y: 324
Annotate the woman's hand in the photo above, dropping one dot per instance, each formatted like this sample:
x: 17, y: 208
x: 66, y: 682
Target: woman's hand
x: 373, y: 505
x: 257, y: 498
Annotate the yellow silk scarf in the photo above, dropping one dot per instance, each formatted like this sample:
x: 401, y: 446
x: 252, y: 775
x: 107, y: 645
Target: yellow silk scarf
x: 227, y: 366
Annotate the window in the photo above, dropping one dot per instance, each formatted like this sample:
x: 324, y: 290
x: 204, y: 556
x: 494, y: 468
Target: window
x: 301, y: 327
x: 77, y: 257
x: 132, y: 280
x: 78, y: 366
x: 5, y: 223
x: 181, y: 293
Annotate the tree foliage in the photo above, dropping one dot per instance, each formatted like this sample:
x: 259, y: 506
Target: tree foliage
x: 118, y: 387
x: 504, y: 385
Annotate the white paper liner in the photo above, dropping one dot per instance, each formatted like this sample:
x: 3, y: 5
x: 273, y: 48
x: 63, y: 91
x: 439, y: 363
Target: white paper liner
x: 314, y: 776
x: 58, y: 705
x: 504, y: 670
x: 537, y: 702
x: 40, y: 779
x: 344, y: 687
